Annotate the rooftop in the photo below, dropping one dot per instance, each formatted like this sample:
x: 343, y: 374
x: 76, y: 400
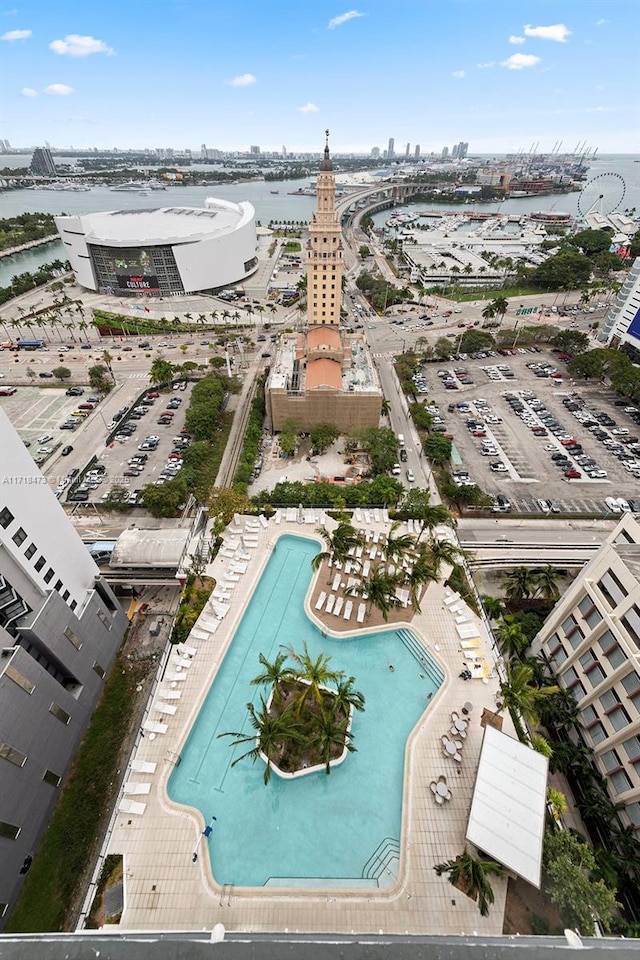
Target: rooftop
x: 165, y: 224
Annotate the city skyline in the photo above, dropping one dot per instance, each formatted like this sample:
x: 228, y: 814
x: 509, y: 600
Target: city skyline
x: 500, y: 77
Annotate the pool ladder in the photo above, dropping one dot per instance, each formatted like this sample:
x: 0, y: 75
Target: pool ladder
x: 430, y: 666
x: 225, y: 894
x: 386, y: 851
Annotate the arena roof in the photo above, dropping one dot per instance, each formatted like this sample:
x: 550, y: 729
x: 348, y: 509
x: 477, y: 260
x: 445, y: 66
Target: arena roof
x: 138, y: 547
x: 163, y: 225
x: 324, y: 373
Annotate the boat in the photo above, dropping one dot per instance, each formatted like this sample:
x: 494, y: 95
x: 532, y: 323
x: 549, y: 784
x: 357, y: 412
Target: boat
x: 274, y: 191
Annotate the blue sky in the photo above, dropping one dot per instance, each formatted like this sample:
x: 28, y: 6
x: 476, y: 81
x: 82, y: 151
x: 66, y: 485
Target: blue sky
x: 500, y: 74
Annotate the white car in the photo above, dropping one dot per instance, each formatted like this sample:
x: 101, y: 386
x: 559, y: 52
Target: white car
x: 45, y: 449
x: 410, y: 476
x: 396, y: 470
x: 45, y: 438
x: 498, y: 467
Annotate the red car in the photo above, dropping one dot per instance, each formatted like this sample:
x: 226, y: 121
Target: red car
x: 479, y: 433
x: 567, y: 443
x: 572, y: 474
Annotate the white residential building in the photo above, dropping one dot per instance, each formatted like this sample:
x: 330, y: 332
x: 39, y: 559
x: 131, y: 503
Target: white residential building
x: 60, y: 629
x: 622, y: 323
x: 592, y: 640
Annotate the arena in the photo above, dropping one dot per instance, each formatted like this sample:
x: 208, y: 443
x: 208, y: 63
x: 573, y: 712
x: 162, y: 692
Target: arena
x: 163, y: 252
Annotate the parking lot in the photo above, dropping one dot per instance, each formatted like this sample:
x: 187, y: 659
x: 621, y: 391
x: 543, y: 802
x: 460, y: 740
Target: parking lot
x: 123, y: 463
x: 38, y: 415
x: 523, y: 429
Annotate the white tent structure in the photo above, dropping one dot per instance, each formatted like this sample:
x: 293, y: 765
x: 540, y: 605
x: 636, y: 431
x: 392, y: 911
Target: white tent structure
x: 507, y: 815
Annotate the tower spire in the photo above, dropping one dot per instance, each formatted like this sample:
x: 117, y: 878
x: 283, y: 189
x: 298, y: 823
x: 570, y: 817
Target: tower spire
x: 326, y: 163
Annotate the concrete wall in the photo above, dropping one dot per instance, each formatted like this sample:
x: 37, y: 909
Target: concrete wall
x: 347, y: 410
x: 76, y: 250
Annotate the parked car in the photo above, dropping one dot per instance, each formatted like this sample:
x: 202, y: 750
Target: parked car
x: 66, y: 450
x: 74, y: 392
x: 45, y: 375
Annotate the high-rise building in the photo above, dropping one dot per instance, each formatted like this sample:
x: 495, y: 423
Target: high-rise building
x: 60, y: 629
x: 454, y: 152
x: 325, y: 265
x: 591, y: 641
x: 445, y: 153
x: 324, y: 375
x: 391, y: 149
x: 203, y: 151
x: 407, y: 151
x: 416, y: 152
x: 284, y: 152
x: 622, y: 322
x: 375, y: 153
x: 42, y: 163
x: 254, y: 151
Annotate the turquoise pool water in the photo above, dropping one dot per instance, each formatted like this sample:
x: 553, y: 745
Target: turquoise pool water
x: 336, y: 830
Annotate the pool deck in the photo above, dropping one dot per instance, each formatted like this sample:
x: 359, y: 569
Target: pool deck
x: 165, y: 890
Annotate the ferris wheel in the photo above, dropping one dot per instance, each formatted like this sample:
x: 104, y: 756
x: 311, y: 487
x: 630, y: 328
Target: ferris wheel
x: 602, y: 195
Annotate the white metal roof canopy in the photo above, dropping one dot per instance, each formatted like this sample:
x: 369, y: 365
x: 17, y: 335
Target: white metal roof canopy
x: 507, y: 815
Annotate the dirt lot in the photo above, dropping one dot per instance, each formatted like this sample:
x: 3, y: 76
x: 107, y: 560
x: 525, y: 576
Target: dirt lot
x: 531, y: 473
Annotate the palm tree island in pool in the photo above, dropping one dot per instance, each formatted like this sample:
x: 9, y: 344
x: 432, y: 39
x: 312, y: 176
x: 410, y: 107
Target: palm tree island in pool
x: 304, y: 724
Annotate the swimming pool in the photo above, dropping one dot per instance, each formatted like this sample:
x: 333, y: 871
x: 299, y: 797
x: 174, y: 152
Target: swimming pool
x: 337, y: 830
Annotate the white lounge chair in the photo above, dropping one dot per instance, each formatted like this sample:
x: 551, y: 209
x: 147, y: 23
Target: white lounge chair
x: 153, y: 726
x: 338, y: 606
x: 136, y: 789
x: 130, y: 806
x: 166, y: 708
x: 336, y: 582
x: 143, y: 766
x: 320, y: 601
x: 165, y: 694
x: 263, y: 520
x: 361, y: 612
x: 348, y: 607
x: 331, y: 599
x: 183, y: 648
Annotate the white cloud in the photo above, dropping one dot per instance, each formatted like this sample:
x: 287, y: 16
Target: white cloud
x: 58, y: 89
x: 344, y: 18
x: 516, y: 40
x: 486, y: 66
x: 28, y: 92
x: 458, y: 74
x: 74, y: 45
x: 244, y: 80
x: 309, y: 108
x: 557, y: 32
x: 601, y: 22
x: 520, y: 61
x: 16, y: 35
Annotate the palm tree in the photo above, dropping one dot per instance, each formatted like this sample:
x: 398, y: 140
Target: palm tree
x: 346, y: 698
x: 520, y: 697
x: 420, y: 573
x: 512, y: 639
x: 338, y: 544
x: 494, y: 606
x: 379, y: 589
x: 520, y: 584
x: 470, y: 875
x: 314, y: 675
x: 431, y: 516
x: 442, y: 551
x: 547, y: 582
x: 271, y: 733
x: 489, y: 312
x: 501, y: 304
x: 330, y: 734
x: 395, y: 547
x: 274, y: 673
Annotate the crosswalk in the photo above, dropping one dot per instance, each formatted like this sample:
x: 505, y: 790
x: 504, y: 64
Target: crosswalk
x: 138, y: 376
